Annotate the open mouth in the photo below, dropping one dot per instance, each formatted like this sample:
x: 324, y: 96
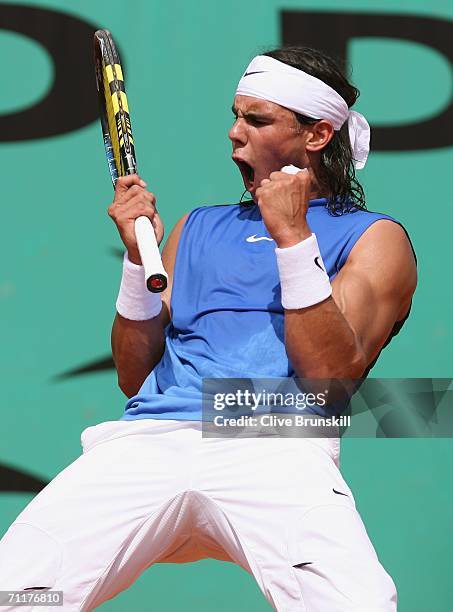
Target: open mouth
x: 247, y: 172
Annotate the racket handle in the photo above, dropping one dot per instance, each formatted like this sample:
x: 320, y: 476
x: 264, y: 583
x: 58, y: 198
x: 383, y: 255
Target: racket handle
x: 155, y: 275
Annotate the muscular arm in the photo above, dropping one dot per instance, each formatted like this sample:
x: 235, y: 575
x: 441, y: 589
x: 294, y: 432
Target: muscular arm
x: 340, y: 336
x: 138, y: 346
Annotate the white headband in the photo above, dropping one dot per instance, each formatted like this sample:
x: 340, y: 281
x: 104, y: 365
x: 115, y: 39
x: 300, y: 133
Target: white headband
x: 271, y: 80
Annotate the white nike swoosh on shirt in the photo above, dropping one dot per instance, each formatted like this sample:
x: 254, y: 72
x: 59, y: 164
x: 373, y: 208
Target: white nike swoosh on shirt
x: 256, y: 238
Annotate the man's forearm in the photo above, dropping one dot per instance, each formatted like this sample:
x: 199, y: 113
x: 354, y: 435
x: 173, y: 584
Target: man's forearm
x: 321, y: 344
x: 137, y: 347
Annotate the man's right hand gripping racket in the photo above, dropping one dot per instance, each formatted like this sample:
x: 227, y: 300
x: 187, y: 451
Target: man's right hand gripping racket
x: 119, y: 147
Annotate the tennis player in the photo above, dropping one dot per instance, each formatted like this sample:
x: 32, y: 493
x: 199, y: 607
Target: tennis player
x: 301, y: 280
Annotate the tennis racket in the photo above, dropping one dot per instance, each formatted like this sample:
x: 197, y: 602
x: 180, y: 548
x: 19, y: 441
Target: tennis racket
x: 119, y: 147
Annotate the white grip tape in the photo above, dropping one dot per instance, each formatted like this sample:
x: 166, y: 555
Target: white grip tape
x: 303, y: 278
x: 134, y: 301
x: 147, y: 246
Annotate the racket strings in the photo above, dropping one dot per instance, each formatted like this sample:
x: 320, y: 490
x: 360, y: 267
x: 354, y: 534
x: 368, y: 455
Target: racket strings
x: 123, y: 118
x: 119, y: 120
x: 111, y: 119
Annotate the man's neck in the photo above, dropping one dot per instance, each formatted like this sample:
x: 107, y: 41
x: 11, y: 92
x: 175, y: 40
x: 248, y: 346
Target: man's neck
x: 318, y: 188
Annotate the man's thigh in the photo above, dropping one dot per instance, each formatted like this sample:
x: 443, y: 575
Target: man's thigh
x: 104, y: 502
x: 298, y: 525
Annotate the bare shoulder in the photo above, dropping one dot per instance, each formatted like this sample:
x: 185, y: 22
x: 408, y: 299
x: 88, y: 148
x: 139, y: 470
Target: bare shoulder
x: 384, y: 255
x: 384, y: 246
x: 383, y: 239
x: 168, y: 259
x: 171, y: 244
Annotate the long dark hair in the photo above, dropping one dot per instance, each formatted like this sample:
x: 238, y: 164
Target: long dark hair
x: 337, y: 167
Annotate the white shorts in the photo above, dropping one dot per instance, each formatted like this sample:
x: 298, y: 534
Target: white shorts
x: 152, y: 491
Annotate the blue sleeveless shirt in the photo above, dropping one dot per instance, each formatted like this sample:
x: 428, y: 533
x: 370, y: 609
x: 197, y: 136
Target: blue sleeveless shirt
x: 227, y: 317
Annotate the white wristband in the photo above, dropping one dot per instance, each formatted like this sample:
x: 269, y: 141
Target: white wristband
x: 303, y: 278
x: 134, y: 301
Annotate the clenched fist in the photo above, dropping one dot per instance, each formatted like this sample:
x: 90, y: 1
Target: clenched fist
x: 132, y: 201
x: 283, y: 201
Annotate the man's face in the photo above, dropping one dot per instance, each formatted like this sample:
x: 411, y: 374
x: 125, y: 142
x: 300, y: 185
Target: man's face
x: 265, y: 137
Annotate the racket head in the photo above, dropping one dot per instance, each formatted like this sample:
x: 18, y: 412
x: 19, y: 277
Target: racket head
x: 113, y: 107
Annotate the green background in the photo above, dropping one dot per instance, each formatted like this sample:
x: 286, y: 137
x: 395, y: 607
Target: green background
x: 59, y: 274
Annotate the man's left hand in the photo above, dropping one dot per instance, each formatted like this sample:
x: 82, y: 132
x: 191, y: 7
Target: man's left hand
x: 283, y: 201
